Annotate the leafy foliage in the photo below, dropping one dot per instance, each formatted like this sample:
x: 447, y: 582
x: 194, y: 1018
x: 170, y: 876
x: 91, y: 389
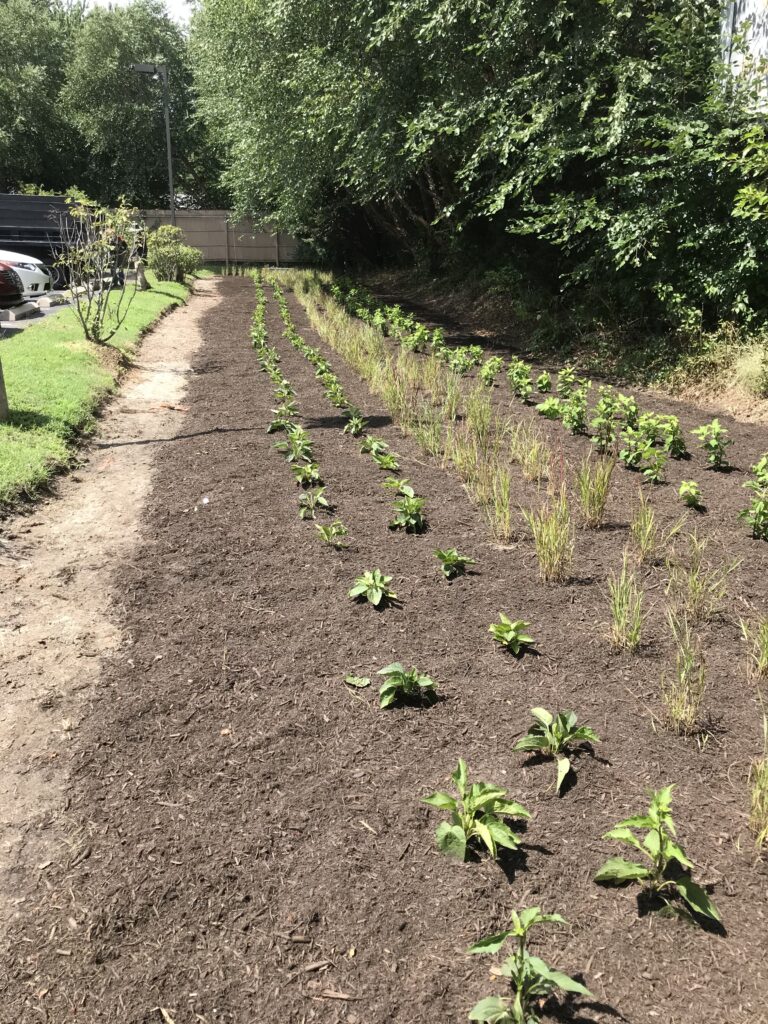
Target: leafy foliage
x: 476, y: 815
x: 511, y: 635
x: 373, y: 586
x: 402, y: 684
x: 452, y: 563
x: 553, y: 735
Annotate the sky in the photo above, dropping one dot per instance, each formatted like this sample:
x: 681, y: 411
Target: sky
x: 179, y: 10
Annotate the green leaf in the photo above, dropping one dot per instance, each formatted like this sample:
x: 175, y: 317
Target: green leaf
x: 375, y: 595
x: 624, y: 835
x: 618, y: 870
x: 491, y: 1010
x: 491, y: 943
x: 388, y: 694
x: 563, y: 981
x: 677, y: 852
x: 442, y: 800
x: 531, y: 742
x: 451, y: 840
x: 359, y: 681
x: 563, y: 767
x: 502, y: 834
x: 390, y: 669
x: 459, y: 777
x: 485, y: 834
x: 541, y: 714
x: 696, y: 897
x: 638, y: 821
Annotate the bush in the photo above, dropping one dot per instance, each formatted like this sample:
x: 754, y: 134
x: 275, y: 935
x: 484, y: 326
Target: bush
x: 169, y: 257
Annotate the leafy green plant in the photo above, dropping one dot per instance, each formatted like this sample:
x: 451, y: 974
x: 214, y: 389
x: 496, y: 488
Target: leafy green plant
x: 553, y: 537
x: 311, y: 501
x: 714, y: 441
x: 593, y: 485
x: 307, y: 474
x: 683, y: 689
x: 672, y: 437
x: 386, y: 461
x: 404, y: 685
x: 531, y: 979
x: 297, y: 447
x: 665, y: 875
x: 603, y: 423
x: 654, y: 464
x: 373, y: 587
x: 574, y: 409
x: 359, y: 682
x: 566, y: 381
x: 689, y: 493
x: 355, y: 424
x: 626, y: 604
x: 332, y: 533
x: 490, y: 370
x: 283, y: 416
x: 544, y: 382
x: 550, y: 408
x: 409, y: 514
x: 519, y: 377
x: 452, y: 563
x: 373, y: 446
x: 757, y: 513
x: 475, y: 816
x: 511, y: 634
x: 553, y: 736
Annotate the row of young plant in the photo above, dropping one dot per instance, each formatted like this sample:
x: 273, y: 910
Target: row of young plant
x: 478, y: 447
x: 477, y: 811
x: 641, y: 441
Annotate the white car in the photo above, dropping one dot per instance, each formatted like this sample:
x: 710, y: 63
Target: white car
x: 33, y: 272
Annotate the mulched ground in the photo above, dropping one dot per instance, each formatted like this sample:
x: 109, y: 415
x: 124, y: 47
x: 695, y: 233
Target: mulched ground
x: 247, y: 842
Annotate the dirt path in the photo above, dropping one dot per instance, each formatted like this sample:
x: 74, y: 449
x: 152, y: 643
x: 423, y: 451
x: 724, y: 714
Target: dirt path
x: 56, y: 620
x: 244, y: 839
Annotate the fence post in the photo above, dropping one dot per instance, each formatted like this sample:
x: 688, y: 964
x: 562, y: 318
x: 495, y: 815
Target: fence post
x: 226, y: 237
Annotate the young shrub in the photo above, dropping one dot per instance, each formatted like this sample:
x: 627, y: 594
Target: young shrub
x: 452, y: 563
x: 297, y: 446
x: 311, y: 501
x: 566, y: 381
x: 574, y: 410
x: 666, y: 874
x: 714, y: 441
x: 373, y: 587
x: 756, y: 636
x: 626, y: 603
x: 757, y: 513
x: 333, y: 533
x: 550, y: 408
x: 654, y: 464
x: 671, y: 436
x: 511, y: 634
x: 283, y: 417
x: 409, y: 514
x: 593, y: 484
x: 532, y: 981
x: 490, y: 370
x: 543, y: 382
x: 689, y: 493
x: 476, y: 817
x: 386, y: 461
x: 307, y: 474
x: 682, y: 691
x: 553, y: 538
x: 519, y: 377
x: 400, y: 684
x: 355, y: 424
x: 373, y: 446
x: 553, y: 736
x: 758, y: 781
x: 603, y: 423
x: 627, y: 410
x: 698, y: 589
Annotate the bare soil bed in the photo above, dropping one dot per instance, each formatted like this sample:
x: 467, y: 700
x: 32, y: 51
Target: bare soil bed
x: 246, y: 840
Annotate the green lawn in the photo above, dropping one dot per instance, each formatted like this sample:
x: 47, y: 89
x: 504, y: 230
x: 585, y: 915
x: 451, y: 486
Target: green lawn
x: 55, y: 382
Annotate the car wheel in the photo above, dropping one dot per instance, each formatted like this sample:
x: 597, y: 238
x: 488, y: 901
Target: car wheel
x: 59, y: 278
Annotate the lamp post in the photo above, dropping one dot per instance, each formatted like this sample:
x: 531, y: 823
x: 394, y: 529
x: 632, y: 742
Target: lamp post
x: 160, y: 72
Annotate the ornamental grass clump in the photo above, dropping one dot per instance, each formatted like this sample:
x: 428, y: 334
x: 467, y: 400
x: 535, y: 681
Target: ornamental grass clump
x: 625, y: 600
x: 683, y: 688
x: 593, y: 485
x: 756, y: 636
x: 758, y: 781
x: 553, y: 537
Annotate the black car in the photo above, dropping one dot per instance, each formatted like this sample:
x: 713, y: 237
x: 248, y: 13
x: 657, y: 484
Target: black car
x: 11, y: 288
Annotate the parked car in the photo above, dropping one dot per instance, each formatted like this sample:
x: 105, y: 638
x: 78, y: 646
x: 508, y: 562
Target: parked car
x: 33, y: 272
x: 11, y: 288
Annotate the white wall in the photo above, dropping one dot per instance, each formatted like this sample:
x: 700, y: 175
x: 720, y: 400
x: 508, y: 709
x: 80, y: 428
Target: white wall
x: 750, y: 16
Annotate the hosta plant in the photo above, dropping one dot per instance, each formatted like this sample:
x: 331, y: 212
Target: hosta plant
x: 405, y: 685
x: 355, y: 424
x: 373, y: 446
x: 373, y: 587
x: 531, y: 979
x: 452, y: 563
x: 386, y: 461
x: 511, y: 634
x: 689, y: 493
x: 714, y: 441
x: 311, y: 501
x: 332, y: 533
x: 666, y: 867
x: 553, y: 736
x: 409, y: 514
x: 476, y: 817
x: 307, y: 474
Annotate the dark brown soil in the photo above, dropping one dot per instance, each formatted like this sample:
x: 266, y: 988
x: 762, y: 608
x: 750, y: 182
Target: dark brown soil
x: 247, y: 840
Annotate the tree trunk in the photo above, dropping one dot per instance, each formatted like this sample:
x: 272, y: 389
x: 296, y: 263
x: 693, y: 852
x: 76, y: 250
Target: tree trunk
x: 3, y: 398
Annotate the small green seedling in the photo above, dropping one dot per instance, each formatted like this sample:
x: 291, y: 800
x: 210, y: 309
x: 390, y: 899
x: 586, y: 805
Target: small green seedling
x: 511, y: 635
x: 531, y: 979
x: 355, y: 425
x: 714, y: 440
x: 387, y: 461
x: 544, y: 382
x: 406, y: 685
x: 452, y: 563
x: 476, y: 815
x: 409, y: 514
x: 552, y: 736
x: 307, y: 474
x: 373, y: 446
x: 311, y: 501
x: 298, y: 446
x: 373, y: 587
x: 332, y: 533
x: 665, y: 876
x: 550, y: 408
x: 359, y: 682
x: 401, y: 485
x: 689, y: 493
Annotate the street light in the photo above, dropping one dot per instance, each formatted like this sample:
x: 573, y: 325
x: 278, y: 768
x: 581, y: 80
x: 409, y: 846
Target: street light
x: 159, y: 72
